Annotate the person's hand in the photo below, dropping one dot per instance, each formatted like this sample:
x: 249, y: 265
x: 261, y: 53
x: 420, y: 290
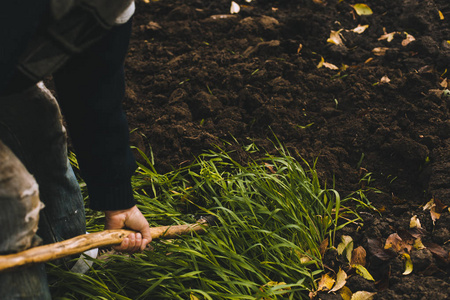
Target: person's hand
x: 133, y: 219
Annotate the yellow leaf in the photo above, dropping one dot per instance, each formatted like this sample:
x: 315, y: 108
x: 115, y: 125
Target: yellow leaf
x: 429, y: 204
x: 362, y: 295
x: 418, y: 244
x: 341, y: 280
x: 360, y: 29
x: 362, y: 9
x: 408, y: 264
x: 361, y: 271
x: 325, y: 283
x: 335, y: 37
x: 320, y: 64
x: 346, y: 245
x: 441, y: 15
x: 414, y: 222
x: 193, y: 297
x: 345, y: 293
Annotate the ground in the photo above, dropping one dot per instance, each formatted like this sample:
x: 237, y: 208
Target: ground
x: 198, y: 75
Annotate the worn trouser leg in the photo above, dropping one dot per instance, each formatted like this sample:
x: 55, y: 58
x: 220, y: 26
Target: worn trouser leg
x: 31, y: 126
x: 19, y: 200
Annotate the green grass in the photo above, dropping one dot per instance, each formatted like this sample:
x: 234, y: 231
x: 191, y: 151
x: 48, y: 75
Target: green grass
x: 272, y: 215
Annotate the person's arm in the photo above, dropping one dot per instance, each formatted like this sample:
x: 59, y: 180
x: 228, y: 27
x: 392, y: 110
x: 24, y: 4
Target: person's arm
x: 90, y: 89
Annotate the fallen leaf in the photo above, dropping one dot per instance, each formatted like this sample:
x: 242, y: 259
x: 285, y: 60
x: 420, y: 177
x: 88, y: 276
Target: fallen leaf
x: 408, y: 264
x: 323, y: 247
x: 414, y: 222
x: 380, y: 51
x: 300, y: 46
x: 362, y: 295
x: 437, y: 251
x: 235, y: 8
x: 361, y: 271
x: 320, y: 64
x: 387, y: 36
x: 444, y: 83
x: 385, y: 79
x: 362, y: 9
x: 434, y: 214
x: 394, y: 242
x: 358, y: 256
x: 418, y: 245
x: 376, y: 248
x: 321, y: 2
x: 335, y: 37
x: 345, y: 293
x: 325, y: 283
x: 341, y: 280
x: 360, y: 29
x: 346, y: 245
x: 441, y: 15
x: 409, y: 38
x: 429, y: 204
x: 330, y: 66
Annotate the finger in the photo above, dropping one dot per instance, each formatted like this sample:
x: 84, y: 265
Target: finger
x: 123, y: 246
x: 144, y: 244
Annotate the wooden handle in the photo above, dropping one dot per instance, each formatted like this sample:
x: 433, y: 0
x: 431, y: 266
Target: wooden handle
x: 85, y: 242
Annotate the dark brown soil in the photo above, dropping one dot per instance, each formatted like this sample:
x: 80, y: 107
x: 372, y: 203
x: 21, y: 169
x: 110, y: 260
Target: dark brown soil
x: 198, y: 75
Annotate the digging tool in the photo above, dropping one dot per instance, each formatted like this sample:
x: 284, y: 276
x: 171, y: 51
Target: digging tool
x: 82, y: 243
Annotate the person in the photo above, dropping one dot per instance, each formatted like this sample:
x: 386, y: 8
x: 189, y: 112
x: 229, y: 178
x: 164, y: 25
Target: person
x: 82, y: 44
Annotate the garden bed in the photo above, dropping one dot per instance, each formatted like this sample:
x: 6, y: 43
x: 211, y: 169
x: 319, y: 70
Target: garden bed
x: 198, y: 75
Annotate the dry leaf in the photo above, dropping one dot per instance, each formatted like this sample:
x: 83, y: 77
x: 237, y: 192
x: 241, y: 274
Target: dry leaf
x: 444, y: 83
x: 394, y: 242
x: 429, y: 204
x: 323, y: 247
x: 235, y: 8
x: 380, y: 51
x: 345, y: 293
x: 325, y: 283
x: 434, y: 214
x: 335, y: 37
x: 418, y: 245
x: 341, y: 280
x: 438, y: 251
x: 362, y: 9
x: 409, y: 38
x: 358, y: 256
x: 360, y: 29
x: 385, y: 79
x: 321, y: 2
x: 408, y: 264
x: 330, y: 66
x: 441, y: 15
x: 346, y: 245
x: 414, y: 222
x: 320, y: 64
x: 362, y: 295
x: 361, y: 271
x: 387, y: 36
x: 300, y: 46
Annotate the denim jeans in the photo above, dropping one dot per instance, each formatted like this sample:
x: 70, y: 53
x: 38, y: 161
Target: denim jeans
x: 31, y: 126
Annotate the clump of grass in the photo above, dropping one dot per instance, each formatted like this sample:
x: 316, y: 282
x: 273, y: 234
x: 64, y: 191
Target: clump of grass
x: 272, y: 216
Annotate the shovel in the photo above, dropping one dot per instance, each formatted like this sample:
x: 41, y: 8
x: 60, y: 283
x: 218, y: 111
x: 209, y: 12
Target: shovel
x: 82, y: 243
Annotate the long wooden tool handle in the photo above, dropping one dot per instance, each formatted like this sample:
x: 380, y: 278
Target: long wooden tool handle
x: 86, y: 242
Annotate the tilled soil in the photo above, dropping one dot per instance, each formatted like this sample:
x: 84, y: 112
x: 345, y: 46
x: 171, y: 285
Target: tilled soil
x: 198, y: 75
